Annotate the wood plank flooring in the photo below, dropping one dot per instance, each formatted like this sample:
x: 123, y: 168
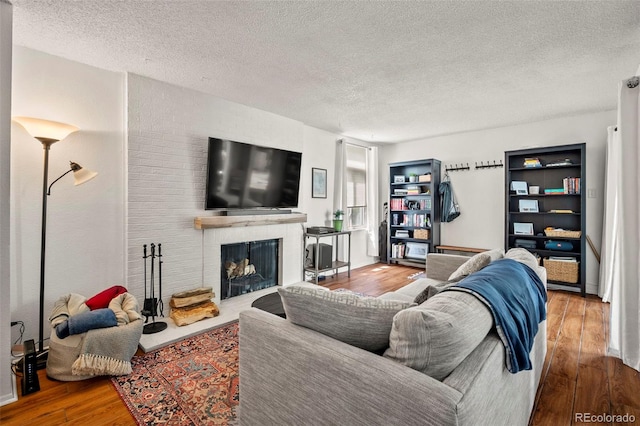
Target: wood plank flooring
x: 578, y: 377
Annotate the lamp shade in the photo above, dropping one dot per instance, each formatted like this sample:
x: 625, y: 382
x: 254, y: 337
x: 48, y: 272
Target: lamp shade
x: 81, y: 175
x: 45, y: 129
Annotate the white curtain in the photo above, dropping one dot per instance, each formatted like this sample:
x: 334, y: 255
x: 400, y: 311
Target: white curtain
x: 340, y: 192
x: 373, y: 217
x: 339, y: 188
x: 610, y: 257
x: 620, y: 267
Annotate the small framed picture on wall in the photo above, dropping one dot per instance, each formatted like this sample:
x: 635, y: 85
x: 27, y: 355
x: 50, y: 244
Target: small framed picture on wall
x: 318, y: 183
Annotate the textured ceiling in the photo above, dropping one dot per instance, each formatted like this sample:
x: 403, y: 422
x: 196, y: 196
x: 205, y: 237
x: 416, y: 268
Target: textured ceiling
x: 384, y: 71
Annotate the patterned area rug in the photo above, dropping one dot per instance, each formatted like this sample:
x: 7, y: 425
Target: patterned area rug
x: 192, y: 382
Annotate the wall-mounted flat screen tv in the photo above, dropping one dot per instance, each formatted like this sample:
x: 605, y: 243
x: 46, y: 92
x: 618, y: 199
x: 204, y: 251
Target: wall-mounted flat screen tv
x: 247, y: 176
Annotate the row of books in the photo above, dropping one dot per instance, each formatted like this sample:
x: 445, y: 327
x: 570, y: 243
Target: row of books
x: 532, y: 163
x: 398, y: 250
x: 416, y: 219
x: 571, y: 185
x: 402, y: 204
x: 410, y: 190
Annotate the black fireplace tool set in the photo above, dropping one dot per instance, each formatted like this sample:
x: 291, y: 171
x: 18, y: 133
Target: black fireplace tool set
x: 152, y: 305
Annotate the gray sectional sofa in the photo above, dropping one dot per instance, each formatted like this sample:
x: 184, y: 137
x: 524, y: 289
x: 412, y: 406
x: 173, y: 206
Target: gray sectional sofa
x: 294, y: 375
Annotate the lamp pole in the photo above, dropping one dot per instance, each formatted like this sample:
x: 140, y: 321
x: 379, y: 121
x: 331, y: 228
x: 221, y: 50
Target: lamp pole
x: 46, y: 144
x: 49, y: 132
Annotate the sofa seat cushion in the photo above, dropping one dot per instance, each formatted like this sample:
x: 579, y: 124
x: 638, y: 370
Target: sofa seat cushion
x: 361, y: 321
x: 437, y: 335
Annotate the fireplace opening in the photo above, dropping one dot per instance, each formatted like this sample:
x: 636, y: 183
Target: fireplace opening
x: 248, y: 266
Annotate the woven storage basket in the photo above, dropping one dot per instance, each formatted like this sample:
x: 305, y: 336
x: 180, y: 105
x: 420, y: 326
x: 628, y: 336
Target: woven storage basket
x: 421, y: 234
x: 557, y: 270
x: 562, y: 233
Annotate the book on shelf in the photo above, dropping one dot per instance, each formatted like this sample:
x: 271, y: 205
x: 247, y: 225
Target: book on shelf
x: 554, y: 191
x: 563, y: 259
x: 532, y: 162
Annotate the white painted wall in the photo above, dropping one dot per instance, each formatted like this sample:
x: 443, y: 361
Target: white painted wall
x: 168, y: 134
x: 85, y: 225
x: 320, y: 152
x: 7, y: 383
x: 480, y: 193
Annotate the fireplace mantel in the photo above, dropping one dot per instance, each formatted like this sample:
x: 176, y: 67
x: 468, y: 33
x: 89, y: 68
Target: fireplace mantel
x: 208, y: 222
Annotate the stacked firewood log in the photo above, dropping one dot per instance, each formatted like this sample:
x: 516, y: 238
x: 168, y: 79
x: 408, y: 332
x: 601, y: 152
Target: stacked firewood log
x: 194, y: 305
x: 240, y: 269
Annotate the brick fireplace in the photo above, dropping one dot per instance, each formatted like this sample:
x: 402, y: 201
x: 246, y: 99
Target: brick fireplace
x: 288, y: 235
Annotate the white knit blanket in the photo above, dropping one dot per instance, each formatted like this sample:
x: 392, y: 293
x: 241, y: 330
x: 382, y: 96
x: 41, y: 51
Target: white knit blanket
x: 108, y: 351
x: 104, y: 351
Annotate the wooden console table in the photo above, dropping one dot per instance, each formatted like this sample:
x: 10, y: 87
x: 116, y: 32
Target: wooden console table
x: 442, y: 249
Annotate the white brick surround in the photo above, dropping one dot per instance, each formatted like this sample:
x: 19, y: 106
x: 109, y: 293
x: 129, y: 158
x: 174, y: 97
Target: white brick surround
x: 168, y: 130
x: 291, y: 254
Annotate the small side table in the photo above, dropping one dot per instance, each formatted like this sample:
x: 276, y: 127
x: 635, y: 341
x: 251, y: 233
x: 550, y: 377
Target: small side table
x: 335, y: 264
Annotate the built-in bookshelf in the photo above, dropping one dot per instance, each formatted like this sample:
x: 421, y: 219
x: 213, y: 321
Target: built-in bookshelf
x: 546, y: 210
x: 414, y: 211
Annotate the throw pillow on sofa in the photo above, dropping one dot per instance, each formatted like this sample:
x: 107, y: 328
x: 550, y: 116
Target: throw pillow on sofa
x: 438, y: 335
x: 475, y: 263
x: 361, y: 321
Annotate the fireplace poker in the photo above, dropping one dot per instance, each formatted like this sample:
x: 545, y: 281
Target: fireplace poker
x: 145, y: 308
x: 152, y: 301
x: 160, y: 304
x: 154, y: 305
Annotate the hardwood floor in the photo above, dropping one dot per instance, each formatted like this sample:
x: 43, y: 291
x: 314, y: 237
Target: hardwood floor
x: 577, y: 377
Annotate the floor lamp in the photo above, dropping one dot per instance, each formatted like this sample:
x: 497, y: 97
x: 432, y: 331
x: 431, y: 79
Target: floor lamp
x: 48, y: 133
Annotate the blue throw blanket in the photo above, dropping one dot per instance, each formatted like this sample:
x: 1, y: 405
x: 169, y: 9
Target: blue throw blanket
x: 516, y: 297
x: 85, y: 321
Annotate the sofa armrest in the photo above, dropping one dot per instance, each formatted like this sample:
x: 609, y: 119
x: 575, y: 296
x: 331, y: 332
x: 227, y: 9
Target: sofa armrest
x: 440, y: 266
x: 290, y: 375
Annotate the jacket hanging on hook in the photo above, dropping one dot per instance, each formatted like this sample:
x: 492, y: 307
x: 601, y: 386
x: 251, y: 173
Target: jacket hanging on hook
x: 450, y: 209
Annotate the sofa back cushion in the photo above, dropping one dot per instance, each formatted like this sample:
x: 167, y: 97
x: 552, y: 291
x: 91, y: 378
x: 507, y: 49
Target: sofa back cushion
x: 437, y: 335
x: 475, y: 263
x: 361, y: 321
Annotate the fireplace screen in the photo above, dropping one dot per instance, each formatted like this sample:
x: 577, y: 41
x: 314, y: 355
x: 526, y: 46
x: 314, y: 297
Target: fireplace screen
x: 248, y: 267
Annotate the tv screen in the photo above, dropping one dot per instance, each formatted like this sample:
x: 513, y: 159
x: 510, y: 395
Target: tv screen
x: 245, y: 176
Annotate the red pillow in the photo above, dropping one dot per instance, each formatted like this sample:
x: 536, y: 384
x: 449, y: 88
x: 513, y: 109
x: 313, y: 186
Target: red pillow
x: 102, y: 299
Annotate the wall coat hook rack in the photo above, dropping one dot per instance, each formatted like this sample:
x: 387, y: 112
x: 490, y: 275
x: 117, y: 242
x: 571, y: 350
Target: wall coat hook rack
x: 456, y: 168
x: 489, y: 165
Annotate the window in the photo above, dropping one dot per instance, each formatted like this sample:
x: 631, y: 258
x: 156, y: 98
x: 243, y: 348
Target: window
x: 356, y: 182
